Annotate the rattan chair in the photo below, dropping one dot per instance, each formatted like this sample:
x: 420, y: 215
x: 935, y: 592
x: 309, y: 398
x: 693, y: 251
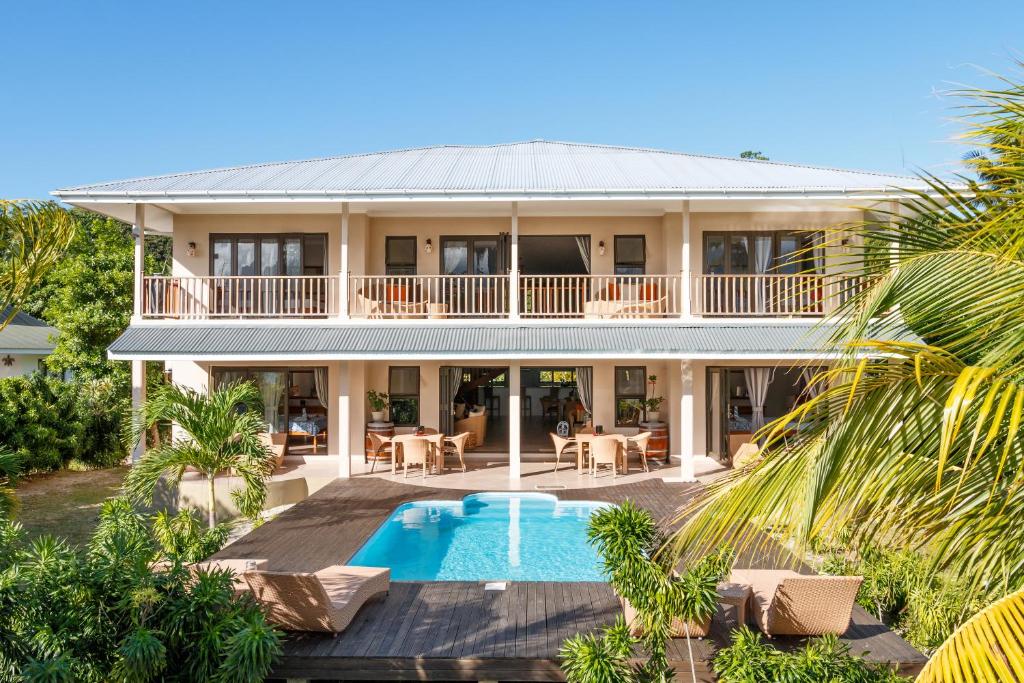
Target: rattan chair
x: 640, y: 441
x: 382, y: 448
x: 784, y: 603
x: 604, y: 450
x: 325, y: 601
x: 456, y: 445
x: 562, y: 445
x: 415, y: 451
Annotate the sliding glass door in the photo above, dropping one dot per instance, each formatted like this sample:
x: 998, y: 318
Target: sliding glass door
x: 234, y: 259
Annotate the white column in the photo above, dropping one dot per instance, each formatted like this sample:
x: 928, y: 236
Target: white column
x: 684, y: 261
x: 138, y: 398
x: 342, y: 421
x: 514, y: 413
x: 513, y: 267
x: 343, y: 265
x: 139, y: 231
x: 685, y: 417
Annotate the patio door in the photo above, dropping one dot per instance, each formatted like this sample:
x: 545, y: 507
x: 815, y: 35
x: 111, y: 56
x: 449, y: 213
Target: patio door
x: 718, y: 414
x: 474, y: 256
x: 236, y: 259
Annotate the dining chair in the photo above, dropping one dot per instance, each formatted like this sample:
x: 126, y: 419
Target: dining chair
x: 640, y: 441
x: 583, y: 440
x: 415, y: 451
x: 456, y: 445
x: 604, y: 450
x: 562, y: 445
x: 436, y: 440
x: 382, y: 447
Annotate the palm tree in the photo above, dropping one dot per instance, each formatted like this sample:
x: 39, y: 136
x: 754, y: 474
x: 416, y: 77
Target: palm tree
x: 33, y: 237
x: 913, y: 444
x: 222, y: 433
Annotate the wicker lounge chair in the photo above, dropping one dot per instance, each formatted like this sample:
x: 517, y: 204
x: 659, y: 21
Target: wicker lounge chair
x: 679, y: 626
x: 277, y: 444
x: 785, y: 603
x: 325, y: 601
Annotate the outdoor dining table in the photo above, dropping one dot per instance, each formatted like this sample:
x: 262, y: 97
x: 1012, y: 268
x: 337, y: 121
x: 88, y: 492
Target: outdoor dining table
x: 398, y: 439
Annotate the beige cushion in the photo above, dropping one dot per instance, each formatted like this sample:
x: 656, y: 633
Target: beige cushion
x: 784, y: 602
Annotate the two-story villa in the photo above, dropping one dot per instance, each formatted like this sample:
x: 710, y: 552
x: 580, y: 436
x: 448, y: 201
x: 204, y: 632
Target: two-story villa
x: 533, y: 283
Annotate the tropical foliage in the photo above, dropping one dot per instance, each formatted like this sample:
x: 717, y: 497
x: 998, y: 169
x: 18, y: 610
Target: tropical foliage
x: 87, y: 295
x: 125, y: 608
x: 50, y: 423
x: 899, y: 589
x: 627, y: 540
x: 750, y: 660
x: 33, y: 237
x: 220, y: 432
x: 916, y: 443
x: 10, y: 468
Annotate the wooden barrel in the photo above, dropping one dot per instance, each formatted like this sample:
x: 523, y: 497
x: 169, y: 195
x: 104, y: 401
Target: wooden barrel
x: 383, y: 429
x: 657, y: 447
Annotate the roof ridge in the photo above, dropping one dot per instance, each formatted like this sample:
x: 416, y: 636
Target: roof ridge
x: 590, y: 145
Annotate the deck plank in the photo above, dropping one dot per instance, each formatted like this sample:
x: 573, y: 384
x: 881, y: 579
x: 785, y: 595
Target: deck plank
x: 457, y: 631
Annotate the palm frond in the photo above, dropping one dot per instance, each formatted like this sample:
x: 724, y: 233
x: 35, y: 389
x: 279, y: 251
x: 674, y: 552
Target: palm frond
x: 988, y: 647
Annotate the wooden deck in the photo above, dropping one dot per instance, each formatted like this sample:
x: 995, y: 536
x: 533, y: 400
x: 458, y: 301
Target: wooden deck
x: 457, y: 630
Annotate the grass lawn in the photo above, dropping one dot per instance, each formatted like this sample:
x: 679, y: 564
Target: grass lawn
x: 66, y: 503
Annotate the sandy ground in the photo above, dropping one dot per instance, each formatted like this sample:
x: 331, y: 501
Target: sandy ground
x: 65, y: 503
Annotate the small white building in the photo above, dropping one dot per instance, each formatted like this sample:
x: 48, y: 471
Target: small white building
x: 24, y: 343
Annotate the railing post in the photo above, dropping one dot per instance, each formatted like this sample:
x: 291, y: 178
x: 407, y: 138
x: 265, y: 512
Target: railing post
x: 513, y: 266
x: 684, y: 264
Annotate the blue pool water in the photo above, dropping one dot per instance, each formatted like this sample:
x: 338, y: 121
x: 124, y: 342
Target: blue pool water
x: 486, y: 537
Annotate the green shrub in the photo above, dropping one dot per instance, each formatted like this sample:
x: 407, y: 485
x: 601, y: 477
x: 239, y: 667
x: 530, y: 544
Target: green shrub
x: 103, y: 613
x: 49, y: 422
x: 826, y: 659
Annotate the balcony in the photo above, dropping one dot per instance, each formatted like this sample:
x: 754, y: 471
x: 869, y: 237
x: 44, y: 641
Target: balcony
x: 241, y: 296
x: 552, y: 297
x: 770, y: 295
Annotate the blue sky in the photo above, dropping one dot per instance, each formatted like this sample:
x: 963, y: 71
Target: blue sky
x: 98, y: 91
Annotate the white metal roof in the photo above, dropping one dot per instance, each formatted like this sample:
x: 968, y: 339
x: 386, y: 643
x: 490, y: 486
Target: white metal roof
x: 536, y: 169
x: 27, y: 335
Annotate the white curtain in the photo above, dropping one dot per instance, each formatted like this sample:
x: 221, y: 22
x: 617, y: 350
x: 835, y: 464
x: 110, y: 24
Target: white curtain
x: 320, y: 380
x: 583, y: 244
x: 758, y: 380
x: 272, y: 387
x: 762, y: 263
x: 455, y: 259
x: 717, y: 377
x: 585, y: 388
x: 451, y: 380
x: 811, y: 390
x: 819, y: 253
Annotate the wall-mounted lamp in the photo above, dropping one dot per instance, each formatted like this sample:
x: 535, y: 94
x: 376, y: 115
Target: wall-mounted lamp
x: 600, y: 247
x: 428, y: 246
x: 190, y: 249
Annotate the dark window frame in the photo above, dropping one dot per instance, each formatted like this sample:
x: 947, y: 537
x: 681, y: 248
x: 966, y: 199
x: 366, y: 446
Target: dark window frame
x: 414, y: 397
x: 401, y: 268
x: 642, y: 264
x: 471, y: 241
x: 623, y: 396
x: 777, y: 236
x: 235, y: 237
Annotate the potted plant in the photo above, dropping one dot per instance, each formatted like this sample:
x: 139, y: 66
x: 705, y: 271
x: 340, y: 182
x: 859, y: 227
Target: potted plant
x: 378, y: 404
x: 653, y: 405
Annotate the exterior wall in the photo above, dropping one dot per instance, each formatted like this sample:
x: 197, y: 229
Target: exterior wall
x: 198, y: 228
x: 760, y: 221
x: 599, y: 228
x: 24, y: 364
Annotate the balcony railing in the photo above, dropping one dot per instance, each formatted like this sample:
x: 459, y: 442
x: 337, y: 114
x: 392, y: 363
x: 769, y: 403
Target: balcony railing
x: 428, y: 296
x: 600, y: 296
x: 242, y: 296
x: 770, y: 294
x: 487, y: 296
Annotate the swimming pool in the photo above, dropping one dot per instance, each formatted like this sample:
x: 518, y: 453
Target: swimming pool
x: 486, y: 537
